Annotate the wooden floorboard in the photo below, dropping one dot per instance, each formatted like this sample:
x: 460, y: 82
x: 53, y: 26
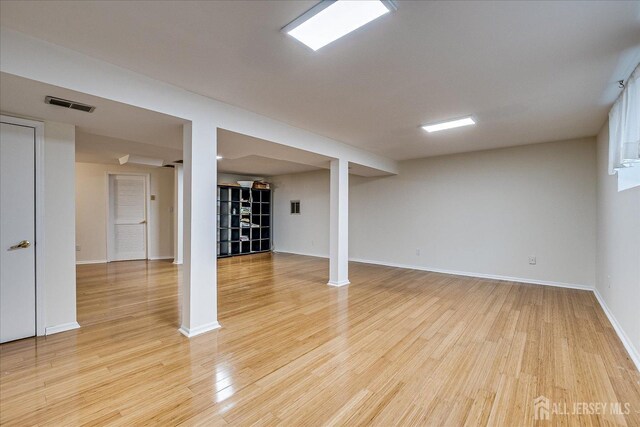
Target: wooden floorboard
x: 396, y: 347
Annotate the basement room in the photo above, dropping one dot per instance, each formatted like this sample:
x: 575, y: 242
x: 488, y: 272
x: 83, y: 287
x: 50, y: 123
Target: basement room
x: 319, y: 213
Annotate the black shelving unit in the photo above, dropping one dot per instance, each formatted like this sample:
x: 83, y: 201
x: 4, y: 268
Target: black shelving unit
x: 244, y: 221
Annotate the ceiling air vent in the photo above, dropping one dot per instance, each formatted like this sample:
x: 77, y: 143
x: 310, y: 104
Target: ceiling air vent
x: 69, y: 104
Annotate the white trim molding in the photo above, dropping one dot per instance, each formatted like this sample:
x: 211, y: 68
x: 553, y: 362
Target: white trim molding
x: 626, y: 342
x: 190, y: 333
x: 278, y: 251
x: 50, y: 330
x: 104, y: 261
x: 92, y: 261
x: 38, y: 126
x: 338, y: 284
x: 478, y: 275
x: 454, y: 272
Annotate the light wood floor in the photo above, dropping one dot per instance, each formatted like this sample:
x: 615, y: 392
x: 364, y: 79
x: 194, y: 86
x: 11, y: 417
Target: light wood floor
x: 396, y: 347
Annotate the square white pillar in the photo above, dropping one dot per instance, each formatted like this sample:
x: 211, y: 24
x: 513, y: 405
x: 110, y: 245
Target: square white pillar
x: 339, y: 223
x: 178, y: 215
x: 199, y: 282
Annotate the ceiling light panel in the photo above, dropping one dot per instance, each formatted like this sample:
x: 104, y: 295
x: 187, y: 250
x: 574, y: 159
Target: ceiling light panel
x: 449, y: 124
x: 329, y: 20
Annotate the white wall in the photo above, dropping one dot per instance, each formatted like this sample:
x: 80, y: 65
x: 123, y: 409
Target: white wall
x: 481, y: 213
x: 91, y: 210
x: 618, y: 254
x: 59, y: 226
x: 308, y: 232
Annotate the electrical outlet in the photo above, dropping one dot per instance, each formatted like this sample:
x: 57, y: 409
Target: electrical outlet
x: 417, y: 251
x: 532, y: 260
x: 77, y: 248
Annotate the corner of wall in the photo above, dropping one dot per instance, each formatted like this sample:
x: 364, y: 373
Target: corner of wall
x: 618, y: 251
x: 59, y: 224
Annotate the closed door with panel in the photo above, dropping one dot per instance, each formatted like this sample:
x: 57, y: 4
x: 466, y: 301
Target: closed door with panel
x: 17, y: 232
x: 127, y: 217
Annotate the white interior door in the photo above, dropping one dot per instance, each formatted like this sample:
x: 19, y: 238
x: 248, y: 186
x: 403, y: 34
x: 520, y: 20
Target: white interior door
x: 17, y: 232
x: 127, y: 217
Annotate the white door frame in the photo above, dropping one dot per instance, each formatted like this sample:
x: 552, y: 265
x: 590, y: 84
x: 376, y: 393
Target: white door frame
x: 39, y: 214
x: 147, y: 207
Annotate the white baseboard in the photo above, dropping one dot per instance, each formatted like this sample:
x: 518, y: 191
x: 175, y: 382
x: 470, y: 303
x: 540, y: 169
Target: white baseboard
x: 454, y: 272
x: 104, y: 261
x: 277, y: 251
x: 189, y: 333
x: 338, y: 284
x: 49, y: 330
x: 92, y: 261
x: 478, y: 275
x: 177, y: 262
x: 628, y: 345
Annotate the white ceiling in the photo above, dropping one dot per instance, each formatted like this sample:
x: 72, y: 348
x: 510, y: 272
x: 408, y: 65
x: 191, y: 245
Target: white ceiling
x: 529, y: 71
x: 92, y: 148
x: 248, y: 155
x: 25, y: 98
x: 262, y: 166
x: 115, y: 129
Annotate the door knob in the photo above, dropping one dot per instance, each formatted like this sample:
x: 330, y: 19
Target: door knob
x: 22, y: 245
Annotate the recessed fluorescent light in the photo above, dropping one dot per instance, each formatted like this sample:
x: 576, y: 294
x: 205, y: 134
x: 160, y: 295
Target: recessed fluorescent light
x: 329, y: 20
x: 449, y: 124
x: 218, y: 157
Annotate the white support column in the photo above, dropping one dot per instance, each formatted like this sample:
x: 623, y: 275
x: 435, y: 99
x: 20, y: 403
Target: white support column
x: 199, y: 282
x: 339, y: 224
x: 178, y: 215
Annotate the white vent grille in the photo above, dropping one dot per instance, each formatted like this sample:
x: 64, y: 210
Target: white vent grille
x: 59, y: 102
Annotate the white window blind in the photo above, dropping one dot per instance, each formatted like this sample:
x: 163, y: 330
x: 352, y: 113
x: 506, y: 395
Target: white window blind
x: 624, y: 127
